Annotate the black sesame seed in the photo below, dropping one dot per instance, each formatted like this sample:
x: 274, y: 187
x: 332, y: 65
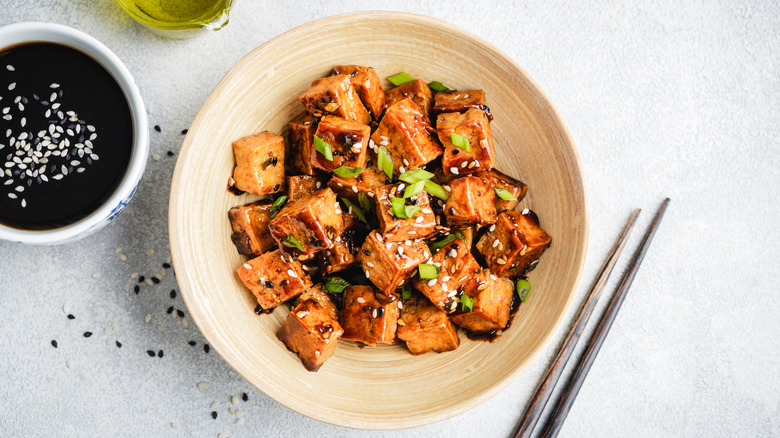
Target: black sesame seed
x: 365, y: 252
x: 118, y: 344
x: 157, y: 128
x: 184, y: 131
x: 70, y: 316
x: 277, y: 187
x: 166, y: 265
x: 173, y: 294
x: 170, y: 153
x: 160, y: 353
x: 455, y: 152
x: 274, y: 161
x: 284, y: 282
x: 379, y: 312
x: 137, y: 289
x: 245, y: 397
x: 170, y: 310
x: 150, y: 353
x: 54, y: 343
x: 206, y: 348
x: 155, y: 280
x: 193, y: 343
x: 269, y: 284
x: 87, y: 334
x: 214, y: 414
x: 180, y: 313
x: 141, y: 279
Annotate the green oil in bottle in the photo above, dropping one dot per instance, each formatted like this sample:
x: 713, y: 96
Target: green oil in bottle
x: 179, y: 14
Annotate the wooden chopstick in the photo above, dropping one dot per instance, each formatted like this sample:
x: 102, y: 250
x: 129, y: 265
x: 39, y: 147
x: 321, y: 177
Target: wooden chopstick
x: 535, y: 408
x: 572, y: 388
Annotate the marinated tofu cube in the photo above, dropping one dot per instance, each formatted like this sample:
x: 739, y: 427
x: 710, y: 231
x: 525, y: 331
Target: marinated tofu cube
x: 274, y: 278
x: 259, y: 163
x: 303, y: 186
x: 458, y: 272
x: 368, y: 317
x: 502, y: 181
x: 460, y: 102
x: 491, y: 306
x: 513, y: 244
x: 335, y: 95
x: 343, y: 254
x: 250, y: 228
x: 417, y: 90
x: 474, y: 126
x: 313, y: 222
x: 470, y: 202
x: 425, y: 327
x: 348, y: 141
x: 367, y: 85
x: 311, y: 331
x: 403, y: 131
x: 390, y: 264
x: 300, y: 144
x: 367, y: 182
x: 394, y: 229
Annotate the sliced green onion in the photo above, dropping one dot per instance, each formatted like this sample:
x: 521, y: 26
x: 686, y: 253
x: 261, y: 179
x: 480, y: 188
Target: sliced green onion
x: 466, y: 302
x: 523, y: 289
x: 355, y: 209
x: 365, y: 201
x: 504, y: 194
x: 323, y: 148
x: 335, y: 285
x: 415, y: 175
x: 436, y: 190
x: 412, y: 210
x: 277, y: 206
x: 348, y: 172
x: 385, y: 162
x: 400, y: 79
x: 406, y: 292
x: 438, y: 86
x: 414, y: 189
x: 292, y: 242
x: 435, y: 246
x: 460, y: 142
x: 427, y: 271
x: 398, y: 209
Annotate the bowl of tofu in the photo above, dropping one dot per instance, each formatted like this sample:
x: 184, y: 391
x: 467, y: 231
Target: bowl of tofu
x: 263, y: 223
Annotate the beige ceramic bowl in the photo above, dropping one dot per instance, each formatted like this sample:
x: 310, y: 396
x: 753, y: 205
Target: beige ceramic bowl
x: 383, y: 387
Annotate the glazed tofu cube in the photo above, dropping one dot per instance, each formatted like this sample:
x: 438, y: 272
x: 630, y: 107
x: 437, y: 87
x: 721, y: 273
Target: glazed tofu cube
x: 491, y: 306
x: 348, y: 142
x: 259, y: 163
x: 313, y: 222
x: 311, y: 331
x: 367, y: 85
x: 460, y: 102
x: 300, y: 144
x: 343, y: 254
x: 367, y: 182
x: 335, y: 95
x: 425, y: 327
x: 417, y: 90
x: 317, y: 294
x: 474, y: 126
x: 458, y: 272
x: 250, y: 228
x: 403, y: 131
x: 390, y: 264
x: 368, y: 317
x: 503, y: 181
x: 274, y: 278
x: 393, y: 229
x: 513, y: 244
x: 470, y: 202
x: 302, y: 186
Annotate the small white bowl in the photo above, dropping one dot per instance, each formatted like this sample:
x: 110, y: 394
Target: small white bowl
x: 21, y: 33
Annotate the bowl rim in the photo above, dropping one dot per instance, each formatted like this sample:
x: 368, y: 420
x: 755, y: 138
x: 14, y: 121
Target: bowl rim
x: 577, y: 163
x: 34, y: 31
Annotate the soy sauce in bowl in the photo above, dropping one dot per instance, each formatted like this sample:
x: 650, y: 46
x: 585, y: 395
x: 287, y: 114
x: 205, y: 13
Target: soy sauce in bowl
x: 66, y: 136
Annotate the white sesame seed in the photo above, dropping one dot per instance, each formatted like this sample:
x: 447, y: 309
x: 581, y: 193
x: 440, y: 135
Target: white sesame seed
x: 495, y: 243
x: 406, y: 162
x: 175, y: 425
x: 431, y: 282
x: 318, y: 184
x: 148, y: 318
x: 408, y: 242
x: 19, y: 188
x: 240, y: 420
x: 54, y: 85
x: 454, y: 170
x: 492, y: 227
x: 11, y: 86
x: 401, y: 187
x: 493, y: 277
x: 97, y: 275
x: 525, y: 211
x: 247, y: 266
x: 203, y: 386
x: 419, y: 219
x: 374, y: 313
x: 427, y: 210
x: 354, y: 189
x: 160, y: 328
x: 214, y: 405
x: 453, y: 253
x: 446, y: 278
x: 369, y: 264
x: 10, y: 67
x: 292, y: 273
x: 360, y: 300
x: 400, y: 250
x: 401, y: 169
x: 367, y: 274
x: 156, y: 157
x: 464, y: 164
x: 501, y: 261
x: 69, y: 363
x: 12, y: 195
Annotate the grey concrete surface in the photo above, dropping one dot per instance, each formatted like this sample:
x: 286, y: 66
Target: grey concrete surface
x: 678, y: 99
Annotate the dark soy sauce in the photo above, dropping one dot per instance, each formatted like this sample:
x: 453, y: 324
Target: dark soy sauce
x: 66, y: 135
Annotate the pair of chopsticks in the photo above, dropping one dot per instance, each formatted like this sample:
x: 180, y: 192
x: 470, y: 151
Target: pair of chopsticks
x: 569, y: 393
